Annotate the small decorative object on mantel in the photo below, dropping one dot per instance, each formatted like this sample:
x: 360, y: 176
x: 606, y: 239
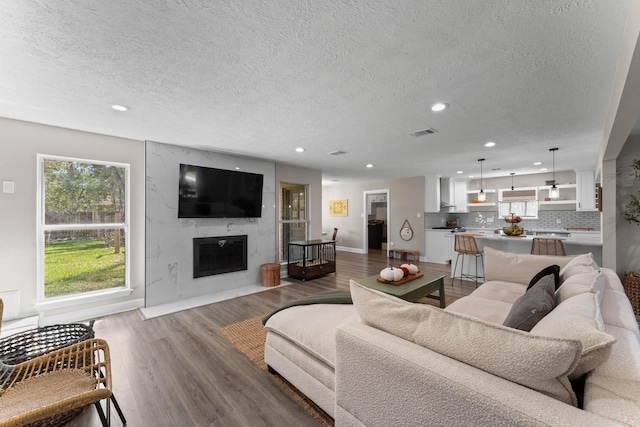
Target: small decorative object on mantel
x: 514, y: 229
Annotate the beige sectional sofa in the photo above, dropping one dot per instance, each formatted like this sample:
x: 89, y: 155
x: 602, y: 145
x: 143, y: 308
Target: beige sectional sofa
x: 383, y: 361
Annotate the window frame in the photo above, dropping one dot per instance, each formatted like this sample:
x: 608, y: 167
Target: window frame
x: 43, y: 302
x: 282, y: 252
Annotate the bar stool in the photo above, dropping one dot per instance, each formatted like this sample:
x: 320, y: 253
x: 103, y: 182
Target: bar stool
x: 465, y: 244
x: 542, y: 246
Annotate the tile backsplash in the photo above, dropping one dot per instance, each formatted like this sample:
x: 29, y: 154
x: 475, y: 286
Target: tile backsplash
x: 547, y: 220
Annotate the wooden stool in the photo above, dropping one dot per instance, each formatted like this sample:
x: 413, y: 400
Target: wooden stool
x: 270, y: 274
x: 465, y: 244
x: 541, y: 246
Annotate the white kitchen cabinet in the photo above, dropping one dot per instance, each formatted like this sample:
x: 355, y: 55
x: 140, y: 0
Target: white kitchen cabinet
x: 374, y: 198
x: 585, y: 191
x: 459, y: 196
x: 438, y: 246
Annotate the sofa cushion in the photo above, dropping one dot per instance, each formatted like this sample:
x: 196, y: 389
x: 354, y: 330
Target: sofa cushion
x: 498, y: 290
x: 482, y: 308
x: 540, y: 363
x: 624, y: 360
x: 614, y: 399
x: 536, y: 303
x: 312, y: 327
x: 518, y: 268
x: 617, y: 311
x: 579, y: 318
x: 553, y: 270
x: 580, y: 264
x: 613, y: 389
x: 579, y: 284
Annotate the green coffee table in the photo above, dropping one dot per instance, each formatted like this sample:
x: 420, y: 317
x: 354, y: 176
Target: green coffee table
x: 413, y: 290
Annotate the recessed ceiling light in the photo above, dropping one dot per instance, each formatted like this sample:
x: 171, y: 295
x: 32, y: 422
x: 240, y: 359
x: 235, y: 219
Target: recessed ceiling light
x: 537, y: 163
x: 470, y: 176
x: 237, y: 168
x: 439, y: 106
x: 299, y: 149
x: 490, y: 144
x: 460, y: 172
x: 119, y: 107
x: 369, y: 165
x: 543, y: 169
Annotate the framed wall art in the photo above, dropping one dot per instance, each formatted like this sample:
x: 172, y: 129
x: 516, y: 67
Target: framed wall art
x: 338, y: 207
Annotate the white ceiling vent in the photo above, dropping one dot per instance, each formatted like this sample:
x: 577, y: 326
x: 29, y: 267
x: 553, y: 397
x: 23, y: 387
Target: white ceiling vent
x: 338, y: 153
x: 428, y: 131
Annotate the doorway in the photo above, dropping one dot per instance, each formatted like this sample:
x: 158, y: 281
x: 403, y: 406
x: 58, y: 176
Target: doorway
x: 376, y: 217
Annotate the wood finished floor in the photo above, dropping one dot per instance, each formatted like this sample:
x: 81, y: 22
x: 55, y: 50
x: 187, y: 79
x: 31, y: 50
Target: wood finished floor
x: 178, y: 370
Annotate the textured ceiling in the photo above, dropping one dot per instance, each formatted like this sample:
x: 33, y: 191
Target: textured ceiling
x: 263, y: 77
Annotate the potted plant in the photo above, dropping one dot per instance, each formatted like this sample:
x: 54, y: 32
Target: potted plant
x: 631, y: 214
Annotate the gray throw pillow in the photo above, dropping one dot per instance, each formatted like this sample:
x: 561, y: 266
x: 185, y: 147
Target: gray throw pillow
x: 530, y: 308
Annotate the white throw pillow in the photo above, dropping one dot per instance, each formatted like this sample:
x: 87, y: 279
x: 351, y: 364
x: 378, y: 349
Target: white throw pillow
x: 579, y: 284
x: 579, y: 318
x: 537, y: 362
x: 580, y: 264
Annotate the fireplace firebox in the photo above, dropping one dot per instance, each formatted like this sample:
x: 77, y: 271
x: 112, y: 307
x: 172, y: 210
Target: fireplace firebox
x: 218, y: 255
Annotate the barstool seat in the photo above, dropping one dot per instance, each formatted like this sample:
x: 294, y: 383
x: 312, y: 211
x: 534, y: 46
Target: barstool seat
x: 465, y: 244
x: 542, y: 246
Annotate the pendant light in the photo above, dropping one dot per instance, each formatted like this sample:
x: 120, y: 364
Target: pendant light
x: 554, y: 192
x: 481, y: 196
x: 512, y: 173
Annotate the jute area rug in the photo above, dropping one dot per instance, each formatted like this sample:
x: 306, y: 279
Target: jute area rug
x: 249, y: 336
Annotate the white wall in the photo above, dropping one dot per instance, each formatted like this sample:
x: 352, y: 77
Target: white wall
x: 169, y: 239
x: 20, y: 144
x: 406, y: 201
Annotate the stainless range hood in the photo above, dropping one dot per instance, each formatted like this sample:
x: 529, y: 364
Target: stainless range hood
x: 446, y: 197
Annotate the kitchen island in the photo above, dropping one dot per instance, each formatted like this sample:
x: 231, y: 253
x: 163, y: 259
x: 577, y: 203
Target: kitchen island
x: 575, y: 243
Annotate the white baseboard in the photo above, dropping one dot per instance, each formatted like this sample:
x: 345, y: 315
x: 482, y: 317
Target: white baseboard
x: 347, y: 249
x: 91, y: 313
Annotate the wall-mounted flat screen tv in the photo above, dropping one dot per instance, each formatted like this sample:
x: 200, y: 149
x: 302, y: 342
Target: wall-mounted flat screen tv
x: 218, y: 193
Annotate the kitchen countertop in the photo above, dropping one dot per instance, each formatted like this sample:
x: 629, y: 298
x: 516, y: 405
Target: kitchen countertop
x: 573, y: 236
x: 576, y: 242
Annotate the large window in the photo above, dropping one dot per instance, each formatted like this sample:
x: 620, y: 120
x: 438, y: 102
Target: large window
x: 82, y: 227
x: 293, y: 215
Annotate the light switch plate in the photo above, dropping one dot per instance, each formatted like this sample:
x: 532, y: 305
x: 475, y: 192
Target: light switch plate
x: 7, y: 186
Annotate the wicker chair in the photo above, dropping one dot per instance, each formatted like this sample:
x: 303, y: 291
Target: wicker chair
x: 541, y: 246
x: 52, y: 389
x: 32, y: 343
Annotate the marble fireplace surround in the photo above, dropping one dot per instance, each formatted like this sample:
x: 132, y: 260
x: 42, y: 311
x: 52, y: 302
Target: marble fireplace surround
x: 169, y: 240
